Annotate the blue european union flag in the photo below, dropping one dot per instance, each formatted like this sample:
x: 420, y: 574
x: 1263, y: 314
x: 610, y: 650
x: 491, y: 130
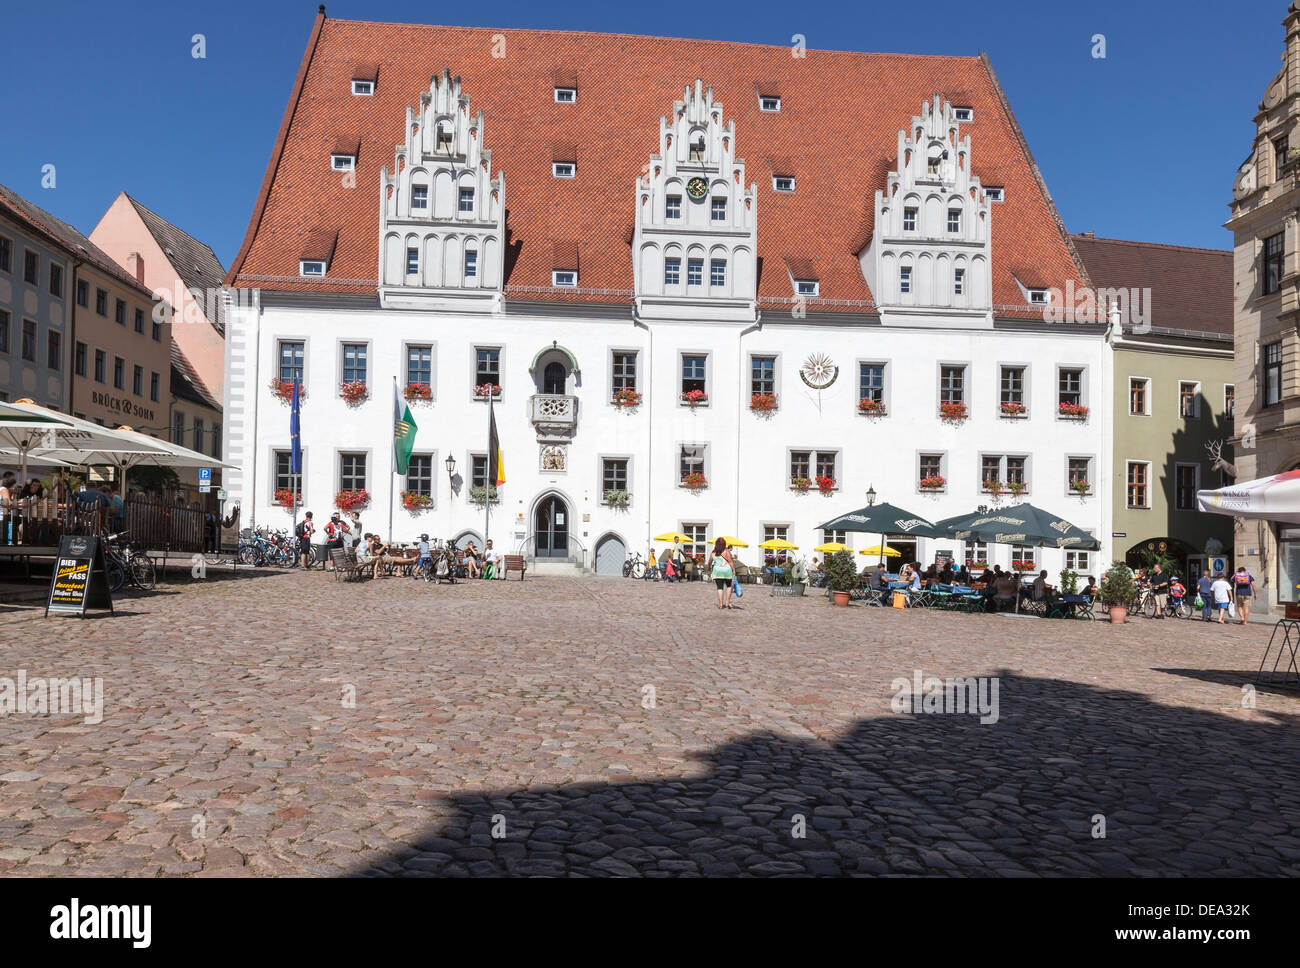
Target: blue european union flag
x: 295, y: 435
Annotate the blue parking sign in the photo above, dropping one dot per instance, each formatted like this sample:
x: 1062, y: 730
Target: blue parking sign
x: 205, y: 475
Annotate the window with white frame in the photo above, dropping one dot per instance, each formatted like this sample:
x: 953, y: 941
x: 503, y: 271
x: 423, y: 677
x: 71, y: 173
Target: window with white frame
x: 994, y: 193
x: 420, y: 198
x: 363, y: 88
x: 769, y: 102
x: 762, y: 374
x: 471, y: 264
x: 412, y: 261
x: 487, y: 366
x: 694, y: 373
x: 1189, y: 399
x: 284, y: 477
x: 963, y: 114
x: 292, y: 355
x: 930, y: 472
x: 1078, y: 561
x: 1187, y: 480
x: 952, y: 384
x: 1012, y: 392
x: 564, y: 169
x: 783, y: 183
x: 1000, y: 472
x: 1139, y: 396
x: 977, y: 554
x: 959, y: 282
x: 718, y: 209
x: 672, y: 271
x: 717, y: 273
x: 1070, y: 386
x: 694, y: 272
x: 343, y: 162
x: 840, y: 537
x: 623, y: 375
x: 311, y: 267
x: 419, y: 475
x: 354, y: 362
x: 564, y: 279
x: 954, y: 220
x: 871, y: 383
x: 1079, y: 475
x: 352, y: 471
x: 566, y: 95
x: 1022, y: 557
x: 775, y: 532
x: 692, y: 460
x: 1038, y: 297
x: 465, y: 201
x: 419, y: 365
x: 909, y: 218
x: 698, y: 536
x: 613, y: 475
x: 801, y: 465
x: 1229, y: 400
x: 904, y: 279
x: 673, y: 207
x: 1138, y: 484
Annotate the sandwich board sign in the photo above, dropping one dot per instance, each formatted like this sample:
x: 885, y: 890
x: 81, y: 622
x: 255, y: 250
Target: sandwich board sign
x: 80, y: 579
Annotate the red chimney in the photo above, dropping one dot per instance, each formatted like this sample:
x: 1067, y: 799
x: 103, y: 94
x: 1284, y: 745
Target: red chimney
x: 137, y: 266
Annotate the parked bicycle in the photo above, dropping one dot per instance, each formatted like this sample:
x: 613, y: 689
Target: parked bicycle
x: 1145, y: 605
x: 635, y: 566
x: 125, y: 563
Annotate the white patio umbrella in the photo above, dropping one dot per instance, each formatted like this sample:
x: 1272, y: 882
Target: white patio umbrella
x: 77, y: 441
x: 1275, y: 498
x: 20, y: 429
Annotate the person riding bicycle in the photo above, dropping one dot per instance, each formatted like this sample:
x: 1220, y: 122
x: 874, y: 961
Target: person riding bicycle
x: 1177, y: 591
x: 425, y: 555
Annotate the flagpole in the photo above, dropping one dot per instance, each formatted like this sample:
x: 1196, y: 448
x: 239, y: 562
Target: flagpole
x: 392, y: 469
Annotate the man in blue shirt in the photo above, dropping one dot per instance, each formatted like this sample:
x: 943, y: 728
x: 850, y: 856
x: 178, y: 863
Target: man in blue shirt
x: 425, y: 555
x: 1204, y: 588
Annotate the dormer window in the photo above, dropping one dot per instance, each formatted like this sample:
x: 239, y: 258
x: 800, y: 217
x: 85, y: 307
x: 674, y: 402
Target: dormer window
x: 564, y: 278
x: 420, y: 198
x: 697, y: 146
x: 673, y: 207
x: 1038, y: 297
x: 566, y: 95
x: 442, y: 137
x: 807, y: 287
x: 718, y: 210
x: 909, y: 218
x: 769, y: 102
x: 363, y: 88
x: 465, y: 203
x: 311, y: 267
x: 963, y: 114
x: 563, y: 169
x: 783, y: 183
x: 343, y: 162
x: 994, y: 193
x: 412, y: 261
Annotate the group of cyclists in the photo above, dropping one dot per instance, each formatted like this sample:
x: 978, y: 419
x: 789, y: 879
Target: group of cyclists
x: 1162, y: 593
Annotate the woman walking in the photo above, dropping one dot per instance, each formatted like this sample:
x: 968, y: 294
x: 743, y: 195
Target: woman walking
x: 723, y: 570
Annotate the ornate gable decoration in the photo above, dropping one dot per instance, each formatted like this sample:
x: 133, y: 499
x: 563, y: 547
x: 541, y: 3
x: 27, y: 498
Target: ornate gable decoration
x: 442, y: 211
x: 931, y: 244
x: 694, y: 245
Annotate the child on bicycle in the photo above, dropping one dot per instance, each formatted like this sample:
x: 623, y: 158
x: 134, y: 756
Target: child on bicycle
x: 1176, y: 592
x: 425, y: 555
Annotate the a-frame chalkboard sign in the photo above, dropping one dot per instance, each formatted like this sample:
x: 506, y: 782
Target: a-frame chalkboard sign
x: 80, y: 579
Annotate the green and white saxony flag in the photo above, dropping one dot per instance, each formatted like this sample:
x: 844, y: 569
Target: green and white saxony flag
x: 403, y: 433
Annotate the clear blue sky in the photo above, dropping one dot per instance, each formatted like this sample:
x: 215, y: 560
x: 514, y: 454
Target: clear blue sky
x: 1141, y: 145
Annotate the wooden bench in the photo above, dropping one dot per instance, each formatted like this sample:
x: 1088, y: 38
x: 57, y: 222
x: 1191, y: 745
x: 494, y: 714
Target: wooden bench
x: 348, y: 566
x: 514, y: 563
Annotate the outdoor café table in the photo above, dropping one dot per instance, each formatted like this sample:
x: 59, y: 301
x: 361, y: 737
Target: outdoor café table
x: 1071, y: 606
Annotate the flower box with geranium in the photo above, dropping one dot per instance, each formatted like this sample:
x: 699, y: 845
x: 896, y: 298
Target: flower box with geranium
x: 352, y: 500
x: 1073, y: 411
x: 354, y: 392
x: 1017, y: 488
x: 871, y: 408
x: 800, y: 484
x: 415, y: 501
x: 694, y: 481
x: 695, y: 397
x: 283, y: 391
x: 953, y: 412
x: 418, y: 393
x: 284, y: 497
x: 981, y: 565
x: 617, y: 498
x: 825, y: 484
x: 1080, y: 487
x: 933, y: 482
x: 1013, y: 410
x: 994, y: 486
x: 485, y: 390
x: 1022, y: 566
x: 763, y: 402
x: 626, y: 399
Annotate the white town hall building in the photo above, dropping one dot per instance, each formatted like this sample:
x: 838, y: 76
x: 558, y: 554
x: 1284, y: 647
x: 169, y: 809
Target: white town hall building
x: 706, y: 277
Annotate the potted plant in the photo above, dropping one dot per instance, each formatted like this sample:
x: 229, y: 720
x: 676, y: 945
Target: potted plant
x: 485, y: 390
x: 283, y: 391
x: 1017, y: 488
x: 616, y: 498
x: 800, y: 484
x: 481, y: 495
x: 418, y: 393
x: 825, y: 484
x: 841, y: 575
x: 871, y: 408
x: 626, y: 399
x: 933, y: 482
x: 993, y: 486
x: 695, y: 397
x: 284, y: 497
x: 415, y: 502
x: 352, y: 500
x: 1069, y: 582
x: 977, y: 565
x: 1023, y: 566
x: 1080, y: 487
x: 952, y: 412
x: 694, y: 481
x: 354, y: 392
x: 1013, y: 409
x: 798, y: 577
x: 1073, y: 411
x: 763, y: 403
x: 1117, y: 591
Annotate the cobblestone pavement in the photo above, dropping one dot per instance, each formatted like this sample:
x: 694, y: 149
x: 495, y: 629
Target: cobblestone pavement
x: 228, y: 745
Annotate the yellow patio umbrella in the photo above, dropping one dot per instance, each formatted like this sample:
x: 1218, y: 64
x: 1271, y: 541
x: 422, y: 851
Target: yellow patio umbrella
x: 779, y: 544
x: 673, y: 536
x: 732, y: 542
x: 878, y: 551
x: 832, y: 547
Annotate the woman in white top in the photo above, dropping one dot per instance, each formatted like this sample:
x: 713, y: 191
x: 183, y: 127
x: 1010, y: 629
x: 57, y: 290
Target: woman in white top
x: 1222, y: 593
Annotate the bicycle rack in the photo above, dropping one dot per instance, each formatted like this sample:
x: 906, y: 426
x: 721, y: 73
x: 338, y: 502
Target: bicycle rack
x: 1287, y: 649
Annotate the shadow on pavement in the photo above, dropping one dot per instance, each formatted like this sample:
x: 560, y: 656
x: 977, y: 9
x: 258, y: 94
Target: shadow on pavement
x: 1182, y: 791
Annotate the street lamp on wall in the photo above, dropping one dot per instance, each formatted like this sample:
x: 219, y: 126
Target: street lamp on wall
x: 450, y: 464
x: 871, y: 496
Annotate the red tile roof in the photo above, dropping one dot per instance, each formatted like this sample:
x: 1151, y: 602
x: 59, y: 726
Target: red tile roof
x: 1191, y: 289
x: 837, y: 130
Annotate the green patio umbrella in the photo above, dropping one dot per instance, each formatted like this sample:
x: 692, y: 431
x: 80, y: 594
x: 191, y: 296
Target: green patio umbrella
x: 884, y: 520
x: 1023, y: 524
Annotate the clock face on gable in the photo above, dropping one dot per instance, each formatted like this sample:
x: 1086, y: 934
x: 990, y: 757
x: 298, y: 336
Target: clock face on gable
x: 697, y: 188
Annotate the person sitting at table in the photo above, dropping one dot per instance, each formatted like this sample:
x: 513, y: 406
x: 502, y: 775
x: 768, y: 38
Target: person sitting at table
x: 878, y: 576
x: 375, y: 549
x: 946, y: 575
x: 1004, y: 591
x: 471, y: 560
x: 1089, y: 591
x: 1040, y: 591
x: 913, y: 579
x: 987, y: 578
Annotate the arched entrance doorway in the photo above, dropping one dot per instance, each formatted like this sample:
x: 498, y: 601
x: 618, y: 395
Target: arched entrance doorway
x: 551, y: 527
x: 554, y: 377
x: 610, y: 555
